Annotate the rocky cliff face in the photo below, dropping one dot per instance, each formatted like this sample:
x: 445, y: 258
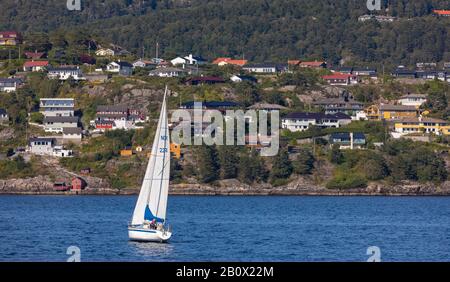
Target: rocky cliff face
x: 299, y: 186
x: 36, y: 185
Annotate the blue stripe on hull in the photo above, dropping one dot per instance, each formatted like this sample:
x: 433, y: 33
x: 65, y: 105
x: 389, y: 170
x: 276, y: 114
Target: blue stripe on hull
x: 145, y: 231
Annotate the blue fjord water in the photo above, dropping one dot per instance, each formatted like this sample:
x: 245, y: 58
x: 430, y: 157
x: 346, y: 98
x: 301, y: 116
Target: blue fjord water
x: 41, y: 228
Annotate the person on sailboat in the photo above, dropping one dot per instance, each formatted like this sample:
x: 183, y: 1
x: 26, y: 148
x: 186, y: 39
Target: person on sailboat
x: 153, y: 224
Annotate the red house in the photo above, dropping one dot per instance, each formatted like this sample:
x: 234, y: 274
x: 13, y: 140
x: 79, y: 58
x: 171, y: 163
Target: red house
x: 340, y: 79
x: 78, y: 184
x: 35, y: 66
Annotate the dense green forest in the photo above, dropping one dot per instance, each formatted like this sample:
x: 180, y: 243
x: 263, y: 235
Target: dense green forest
x: 260, y: 30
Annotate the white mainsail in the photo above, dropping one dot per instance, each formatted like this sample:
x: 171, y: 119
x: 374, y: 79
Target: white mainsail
x: 152, y: 201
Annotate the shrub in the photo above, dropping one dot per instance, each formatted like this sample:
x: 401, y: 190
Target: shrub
x: 347, y: 181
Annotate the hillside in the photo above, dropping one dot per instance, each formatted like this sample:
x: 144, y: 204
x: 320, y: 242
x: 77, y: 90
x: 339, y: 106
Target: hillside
x: 260, y: 30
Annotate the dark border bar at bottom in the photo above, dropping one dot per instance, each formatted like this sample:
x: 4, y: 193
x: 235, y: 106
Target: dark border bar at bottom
x: 225, y: 271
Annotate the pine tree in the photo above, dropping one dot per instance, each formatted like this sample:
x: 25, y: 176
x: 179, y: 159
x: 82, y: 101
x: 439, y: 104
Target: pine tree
x: 228, y: 162
x: 207, y: 164
x: 304, y: 164
x: 282, y: 166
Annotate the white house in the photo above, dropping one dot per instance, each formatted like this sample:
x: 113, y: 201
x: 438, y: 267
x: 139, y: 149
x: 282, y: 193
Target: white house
x: 188, y: 60
x: 141, y: 63
x: 57, y: 124
x: 241, y: 78
x: 122, y: 68
x: 10, y: 84
x: 44, y: 146
x: 302, y: 121
x: 72, y: 134
x: 167, y: 72
x: 64, y: 73
x: 412, y: 100
x: 261, y: 68
x: 53, y: 107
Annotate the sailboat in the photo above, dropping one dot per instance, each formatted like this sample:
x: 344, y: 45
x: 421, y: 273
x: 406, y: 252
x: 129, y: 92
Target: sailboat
x: 149, y: 218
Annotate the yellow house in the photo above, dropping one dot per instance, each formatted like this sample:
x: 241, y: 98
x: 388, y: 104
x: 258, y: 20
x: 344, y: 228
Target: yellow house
x: 422, y: 125
x: 391, y: 112
x: 127, y: 152
x: 176, y: 150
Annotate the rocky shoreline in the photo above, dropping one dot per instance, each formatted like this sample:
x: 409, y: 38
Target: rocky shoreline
x: 42, y: 185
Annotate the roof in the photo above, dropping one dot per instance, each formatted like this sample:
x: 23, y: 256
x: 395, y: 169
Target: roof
x: 317, y: 116
x: 40, y: 139
x: 112, y: 108
x: 294, y: 62
x: 262, y: 65
x: 366, y: 69
x: 397, y: 108
x: 64, y: 68
x: 36, y: 64
x: 346, y: 135
x: 442, y: 12
x: 337, y: 76
x: 230, y: 61
x: 34, y: 54
x: 167, y: 69
x: 3, y: 112
x: 8, y: 34
x: 343, y: 69
x: 211, y: 104
x: 420, y: 120
x: 414, y: 96
x: 404, y: 71
x: 11, y: 80
x: 57, y: 99
x: 72, y: 130
x: 312, y: 64
x: 61, y: 119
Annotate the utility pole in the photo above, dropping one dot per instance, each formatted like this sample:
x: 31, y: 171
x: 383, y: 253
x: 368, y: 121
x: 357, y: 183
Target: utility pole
x: 157, y: 50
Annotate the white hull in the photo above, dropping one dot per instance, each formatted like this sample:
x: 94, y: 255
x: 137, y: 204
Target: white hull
x: 148, y: 235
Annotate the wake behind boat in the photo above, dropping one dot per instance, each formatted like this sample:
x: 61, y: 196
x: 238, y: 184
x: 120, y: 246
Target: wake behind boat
x: 149, y: 217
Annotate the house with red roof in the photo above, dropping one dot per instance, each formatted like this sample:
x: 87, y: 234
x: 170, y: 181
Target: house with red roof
x: 229, y: 61
x: 35, y: 66
x: 341, y: 79
x: 442, y: 13
x: 10, y: 38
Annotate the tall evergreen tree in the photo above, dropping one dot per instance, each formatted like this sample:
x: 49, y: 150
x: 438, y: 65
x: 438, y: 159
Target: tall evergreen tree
x: 207, y: 164
x: 282, y: 166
